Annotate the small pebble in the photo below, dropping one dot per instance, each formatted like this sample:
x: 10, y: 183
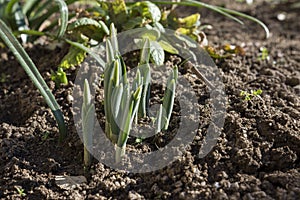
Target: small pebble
x: 70, y: 98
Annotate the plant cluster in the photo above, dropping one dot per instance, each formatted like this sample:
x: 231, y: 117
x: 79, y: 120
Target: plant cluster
x: 123, y: 102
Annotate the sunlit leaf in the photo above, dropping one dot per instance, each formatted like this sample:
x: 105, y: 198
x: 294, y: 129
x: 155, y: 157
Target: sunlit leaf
x: 74, y: 57
x: 59, y: 77
x: 149, y: 10
x: 190, y: 21
x: 157, y: 53
x: 89, y: 27
x: 168, y: 47
x: 152, y: 35
x: 184, y: 31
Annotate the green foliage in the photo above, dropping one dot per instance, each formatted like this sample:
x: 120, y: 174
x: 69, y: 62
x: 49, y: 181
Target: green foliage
x: 253, y: 93
x: 12, y: 43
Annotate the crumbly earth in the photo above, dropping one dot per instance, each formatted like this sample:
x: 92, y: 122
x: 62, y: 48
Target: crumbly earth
x: 257, y: 153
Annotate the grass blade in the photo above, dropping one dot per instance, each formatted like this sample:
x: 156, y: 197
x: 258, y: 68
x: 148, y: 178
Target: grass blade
x: 63, y: 9
x: 34, y: 75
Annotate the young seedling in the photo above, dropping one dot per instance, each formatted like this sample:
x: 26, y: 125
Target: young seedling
x: 88, y: 112
x: 264, y: 54
x: 248, y: 96
x: 144, y: 71
x: 20, y: 191
x: 164, y: 114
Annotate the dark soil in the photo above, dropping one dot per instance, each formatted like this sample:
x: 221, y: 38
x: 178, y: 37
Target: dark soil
x: 257, y: 154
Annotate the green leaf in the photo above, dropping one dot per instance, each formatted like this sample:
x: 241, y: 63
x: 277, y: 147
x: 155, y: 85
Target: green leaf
x: 257, y: 92
x: 185, y: 31
x: 145, y: 54
x: 151, y: 34
x: 45, y: 11
x: 9, y: 7
x: 31, y: 32
x: 116, y: 98
x: 169, y: 98
x: 145, y: 98
x: 129, y: 115
x: 168, y: 47
x: 29, y: 5
x: 148, y: 9
x: 190, y: 21
x: 132, y: 23
x: 89, y: 27
x: 110, y: 54
x: 157, y: 53
x: 104, y: 27
x: 168, y: 103
x: 84, y: 21
x: 114, y: 40
x: 74, y: 57
x: 59, y: 77
x: 119, y: 6
x: 88, y: 120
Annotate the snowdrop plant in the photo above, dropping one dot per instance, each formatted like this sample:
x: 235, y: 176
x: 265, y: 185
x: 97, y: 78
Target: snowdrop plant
x: 120, y: 101
x: 124, y: 102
